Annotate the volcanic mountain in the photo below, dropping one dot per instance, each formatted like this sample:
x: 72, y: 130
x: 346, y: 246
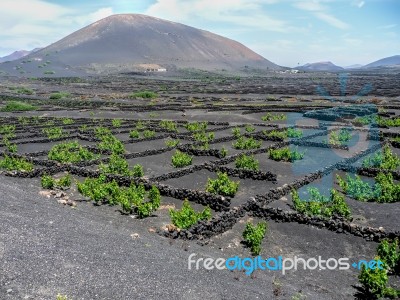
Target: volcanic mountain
x: 132, y: 42
x: 326, y: 66
x: 391, y: 61
x: 15, y: 55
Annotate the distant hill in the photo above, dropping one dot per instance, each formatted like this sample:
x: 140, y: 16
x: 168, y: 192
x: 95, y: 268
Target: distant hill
x: 14, y: 56
x: 17, y: 55
x: 391, y: 61
x: 134, y: 42
x: 355, y: 66
x: 325, y: 66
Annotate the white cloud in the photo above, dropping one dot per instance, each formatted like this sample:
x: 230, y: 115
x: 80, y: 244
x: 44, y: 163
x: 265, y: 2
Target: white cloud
x: 26, y: 24
x: 331, y: 20
x: 387, y: 26
x: 321, y: 12
x: 238, y: 12
x: 358, y: 3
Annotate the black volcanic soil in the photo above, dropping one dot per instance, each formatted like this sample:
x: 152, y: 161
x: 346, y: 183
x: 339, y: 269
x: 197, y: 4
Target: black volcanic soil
x: 96, y: 252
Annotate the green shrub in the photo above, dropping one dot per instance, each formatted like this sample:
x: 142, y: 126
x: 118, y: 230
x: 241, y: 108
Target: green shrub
x: 17, y: 106
x: 132, y: 200
x: 186, y: 217
x: 171, y: 143
x: 137, y: 171
x: 285, y: 154
x: 389, y: 252
x: 70, y: 152
x: 7, y: 130
x: 223, y: 152
x: 375, y: 281
x: 140, y: 125
x: 119, y: 166
x: 384, y: 122
x: 144, y: 94
x: 384, y: 190
x: 271, y: 117
x: 12, y: 148
x: 385, y: 159
x: 294, y: 133
x: 149, y: 134
x: 243, y: 143
x: 54, y: 132
x: 110, y: 142
x: 15, y: 164
x: 222, y: 185
x: 365, y: 120
x: 275, y: 134
x: 50, y: 183
x: 203, y: 137
x: 319, y: 205
x: 340, y: 138
x: 236, y: 132
x: 181, y: 159
x: 247, y: 162
x: 249, y: 128
x: 253, y: 236
x: 101, y: 131
x: 116, y: 123
x: 67, y: 121
x: 25, y: 91
x: 134, y: 134
x: 196, y: 126
x: 97, y: 189
x: 59, y: 95
x: 169, y: 125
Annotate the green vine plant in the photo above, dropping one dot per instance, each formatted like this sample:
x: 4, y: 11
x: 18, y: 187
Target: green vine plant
x: 222, y: 185
x: 285, y: 154
x: 383, y: 191
x: 384, y: 159
x: 11, y: 163
x: 11, y: 147
x: 186, y: 217
x: 247, y: 162
x: 253, y: 236
x: 243, y: 143
x: 196, y: 126
x: 119, y: 166
x: 271, y: 117
x: 171, y: 126
x: 110, y: 142
x: 322, y: 206
x: 116, y: 123
x: 131, y: 199
x: 181, y: 159
x: 171, y: 143
x: 375, y: 281
x: 54, y: 132
x: 50, y: 183
x: 70, y: 152
x: 340, y: 138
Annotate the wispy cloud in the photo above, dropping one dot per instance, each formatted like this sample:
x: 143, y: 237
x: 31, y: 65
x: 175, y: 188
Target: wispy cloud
x: 235, y: 12
x: 387, y: 26
x: 331, y: 20
x: 33, y: 23
x: 358, y: 3
x: 321, y: 12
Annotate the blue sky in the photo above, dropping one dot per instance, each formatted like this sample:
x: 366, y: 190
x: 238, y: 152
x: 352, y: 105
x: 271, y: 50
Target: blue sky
x: 287, y: 32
